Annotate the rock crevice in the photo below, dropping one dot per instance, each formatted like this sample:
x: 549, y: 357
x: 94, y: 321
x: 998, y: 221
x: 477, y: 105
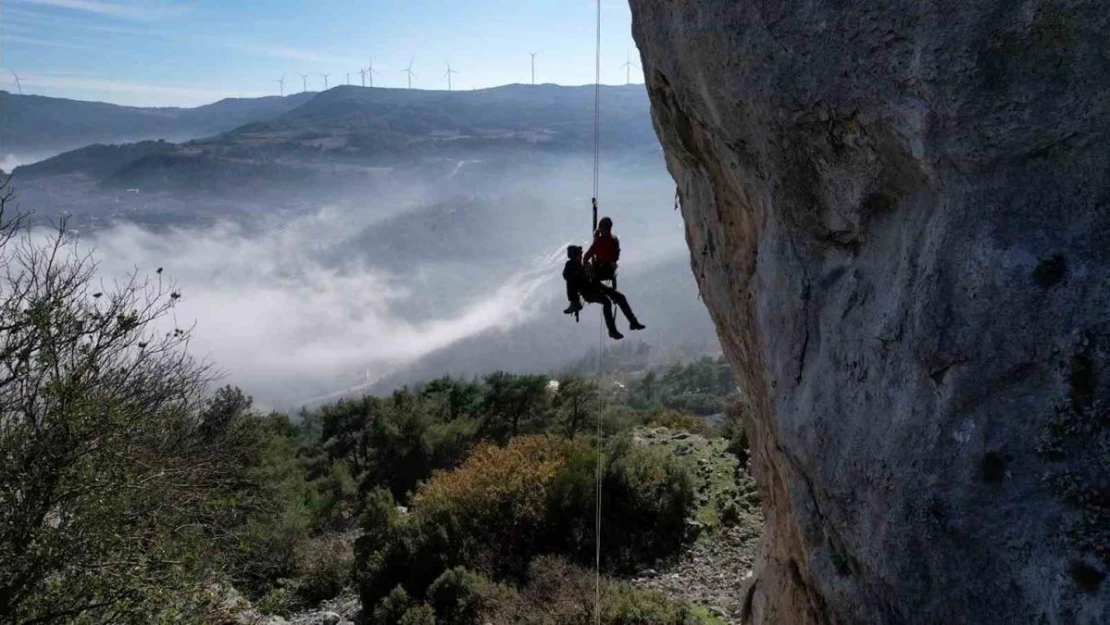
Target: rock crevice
x: 899, y: 219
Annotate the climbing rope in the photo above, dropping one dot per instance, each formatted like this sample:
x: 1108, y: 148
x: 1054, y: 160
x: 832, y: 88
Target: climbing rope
x: 601, y: 328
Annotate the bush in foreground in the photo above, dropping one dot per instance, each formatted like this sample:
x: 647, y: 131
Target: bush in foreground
x: 103, y: 454
x: 507, y: 505
x: 560, y: 593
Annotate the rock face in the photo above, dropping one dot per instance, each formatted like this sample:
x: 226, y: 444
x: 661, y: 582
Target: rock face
x: 899, y: 217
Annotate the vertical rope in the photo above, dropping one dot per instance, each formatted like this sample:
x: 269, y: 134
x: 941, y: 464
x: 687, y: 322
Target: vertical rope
x: 601, y: 329
x: 597, y: 103
x: 598, y: 477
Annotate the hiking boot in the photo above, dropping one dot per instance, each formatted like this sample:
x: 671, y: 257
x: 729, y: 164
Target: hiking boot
x: 573, y: 308
x: 636, y: 325
x: 616, y: 336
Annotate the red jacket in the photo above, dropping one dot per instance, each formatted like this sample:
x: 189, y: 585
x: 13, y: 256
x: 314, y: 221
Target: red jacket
x: 605, y: 249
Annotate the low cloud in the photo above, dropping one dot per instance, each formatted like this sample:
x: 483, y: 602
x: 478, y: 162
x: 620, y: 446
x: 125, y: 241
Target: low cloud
x: 288, y: 329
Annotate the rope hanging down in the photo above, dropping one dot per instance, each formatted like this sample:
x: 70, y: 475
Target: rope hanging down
x: 600, y: 331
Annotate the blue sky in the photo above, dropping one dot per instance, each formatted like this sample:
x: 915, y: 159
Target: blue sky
x: 190, y: 52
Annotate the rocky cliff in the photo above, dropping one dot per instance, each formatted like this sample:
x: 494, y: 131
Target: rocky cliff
x: 899, y: 217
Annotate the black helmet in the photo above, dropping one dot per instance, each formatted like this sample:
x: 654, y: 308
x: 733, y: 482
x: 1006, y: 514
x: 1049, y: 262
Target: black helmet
x: 605, y: 224
x: 573, y: 251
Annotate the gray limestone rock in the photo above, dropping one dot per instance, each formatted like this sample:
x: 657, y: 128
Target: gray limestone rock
x: 318, y: 618
x: 898, y: 215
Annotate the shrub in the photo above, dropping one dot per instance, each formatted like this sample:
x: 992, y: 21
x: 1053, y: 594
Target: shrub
x: 419, y: 615
x: 559, y: 593
x: 616, y: 419
x: 459, y: 596
x: 334, y: 499
x: 281, y: 599
x: 506, y: 505
x: 487, y: 515
x: 379, y: 516
x: 113, y: 478
x: 376, y: 568
x: 495, y: 504
x: 683, y: 421
x: 733, y: 430
x: 263, y: 549
x: 324, y: 566
x: 646, y: 497
x: 398, y: 441
x: 624, y: 604
x: 393, y: 607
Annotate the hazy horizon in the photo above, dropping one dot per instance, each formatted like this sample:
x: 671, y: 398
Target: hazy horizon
x: 317, y: 92
x: 113, y: 51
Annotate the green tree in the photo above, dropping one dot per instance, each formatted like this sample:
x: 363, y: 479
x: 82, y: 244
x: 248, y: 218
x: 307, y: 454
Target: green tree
x: 103, y: 456
x: 576, y: 401
x: 514, y: 404
x: 122, y: 488
x: 453, y: 399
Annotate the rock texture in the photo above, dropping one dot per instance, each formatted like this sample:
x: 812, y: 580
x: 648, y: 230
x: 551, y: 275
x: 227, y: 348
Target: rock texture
x: 898, y: 214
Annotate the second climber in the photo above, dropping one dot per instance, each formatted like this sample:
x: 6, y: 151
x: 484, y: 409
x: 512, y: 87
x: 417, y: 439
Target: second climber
x: 582, y: 282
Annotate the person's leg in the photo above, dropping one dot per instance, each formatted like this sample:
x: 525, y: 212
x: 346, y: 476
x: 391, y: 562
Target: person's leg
x: 610, y: 320
x: 622, y: 302
x: 607, y: 310
x: 572, y: 296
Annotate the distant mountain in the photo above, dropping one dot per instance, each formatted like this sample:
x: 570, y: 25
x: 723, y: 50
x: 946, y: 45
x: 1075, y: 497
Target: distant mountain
x: 348, y: 135
x: 33, y: 124
x: 533, y: 115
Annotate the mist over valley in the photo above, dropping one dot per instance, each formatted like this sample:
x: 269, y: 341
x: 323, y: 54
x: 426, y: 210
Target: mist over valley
x: 365, y: 239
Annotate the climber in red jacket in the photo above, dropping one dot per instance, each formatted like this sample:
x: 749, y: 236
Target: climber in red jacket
x: 604, y: 252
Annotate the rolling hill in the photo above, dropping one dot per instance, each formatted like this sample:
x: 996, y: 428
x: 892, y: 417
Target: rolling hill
x: 349, y: 130
x: 32, y: 124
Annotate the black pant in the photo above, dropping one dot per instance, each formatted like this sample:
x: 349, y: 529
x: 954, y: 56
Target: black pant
x: 598, y: 293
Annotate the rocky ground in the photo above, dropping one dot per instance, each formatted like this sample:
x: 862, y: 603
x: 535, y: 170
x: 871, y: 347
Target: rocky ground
x: 342, y: 610
x: 713, y: 570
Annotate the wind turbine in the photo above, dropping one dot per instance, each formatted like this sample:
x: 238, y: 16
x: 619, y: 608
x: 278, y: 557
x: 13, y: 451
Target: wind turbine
x: 408, y: 70
x: 448, y: 75
x: 371, y: 71
x: 627, y: 67
x: 325, y: 81
x: 281, y: 83
x: 304, y: 81
x: 533, y: 66
x: 348, y: 78
x: 362, y: 72
x: 18, y: 84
